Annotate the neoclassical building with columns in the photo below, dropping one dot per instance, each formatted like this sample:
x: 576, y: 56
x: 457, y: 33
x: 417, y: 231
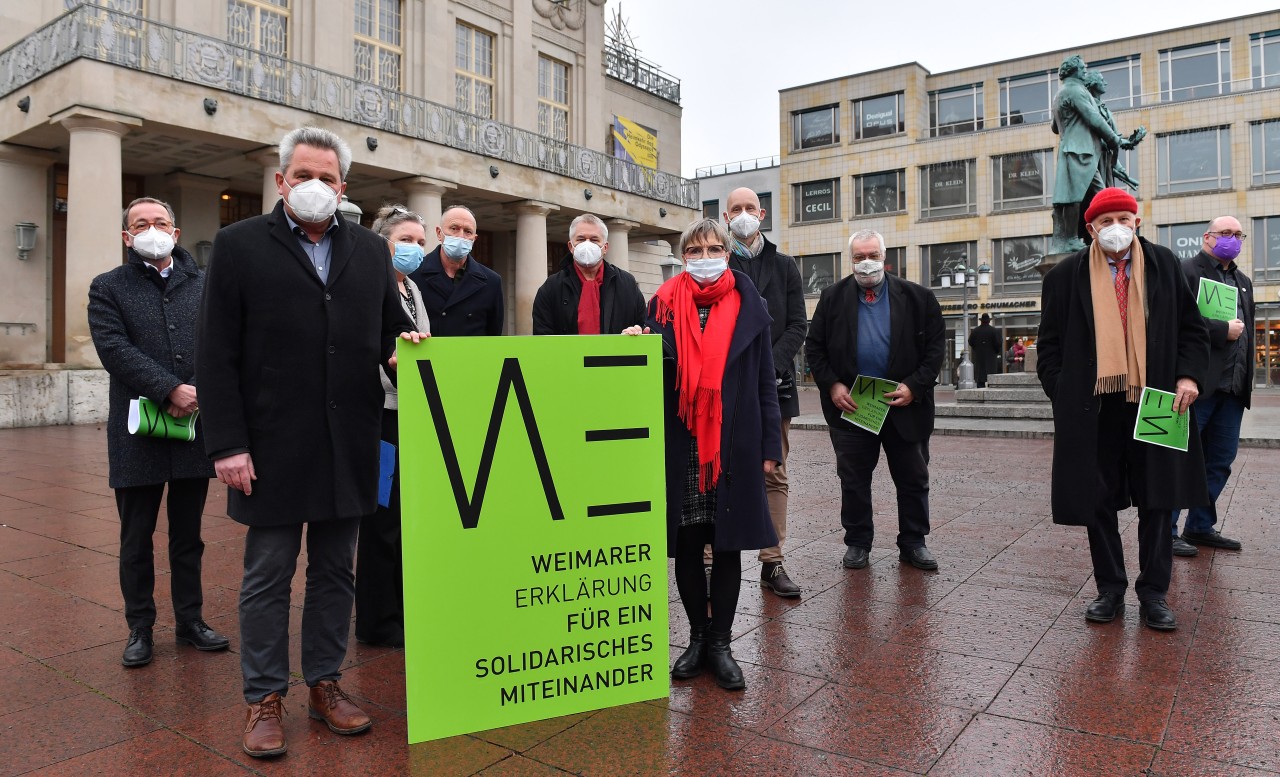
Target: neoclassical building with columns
x: 505, y: 106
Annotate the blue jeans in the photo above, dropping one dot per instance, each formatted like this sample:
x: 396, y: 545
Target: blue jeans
x: 1218, y: 415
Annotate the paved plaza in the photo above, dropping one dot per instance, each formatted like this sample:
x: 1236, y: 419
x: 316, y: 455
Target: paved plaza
x: 986, y: 667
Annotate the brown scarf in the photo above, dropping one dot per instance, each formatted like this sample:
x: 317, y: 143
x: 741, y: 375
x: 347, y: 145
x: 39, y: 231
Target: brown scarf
x: 1122, y: 356
x: 700, y: 359
x: 589, y: 301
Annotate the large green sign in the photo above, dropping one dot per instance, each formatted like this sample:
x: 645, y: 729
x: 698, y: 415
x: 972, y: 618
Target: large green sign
x: 534, y: 526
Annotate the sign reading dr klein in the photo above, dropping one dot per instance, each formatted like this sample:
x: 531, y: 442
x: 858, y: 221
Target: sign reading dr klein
x: 532, y: 482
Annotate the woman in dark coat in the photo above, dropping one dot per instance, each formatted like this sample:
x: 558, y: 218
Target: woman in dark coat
x: 723, y: 433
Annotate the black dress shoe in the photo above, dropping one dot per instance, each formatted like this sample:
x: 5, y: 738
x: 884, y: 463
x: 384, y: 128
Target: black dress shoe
x: 1156, y: 615
x: 138, y: 651
x: 690, y: 662
x: 920, y: 558
x: 1183, y: 548
x: 198, y: 635
x: 855, y: 557
x: 1105, y: 608
x: 775, y: 578
x: 1211, y: 539
x: 720, y: 661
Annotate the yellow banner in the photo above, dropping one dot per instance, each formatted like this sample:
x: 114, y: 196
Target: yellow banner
x: 635, y: 142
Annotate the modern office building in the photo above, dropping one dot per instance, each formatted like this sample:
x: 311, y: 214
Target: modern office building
x: 518, y: 109
x: 958, y: 167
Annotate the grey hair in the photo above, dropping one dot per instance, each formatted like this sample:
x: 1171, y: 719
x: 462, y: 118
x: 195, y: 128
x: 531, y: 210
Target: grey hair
x: 448, y: 208
x: 866, y: 234
x: 316, y: 138
x: 124, y: 217
x: 703, y: 228
x: 391, y: 215
x: 592, y: 219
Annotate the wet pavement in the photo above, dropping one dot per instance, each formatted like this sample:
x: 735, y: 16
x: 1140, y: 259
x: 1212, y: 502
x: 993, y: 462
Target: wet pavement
x: 986, y: 667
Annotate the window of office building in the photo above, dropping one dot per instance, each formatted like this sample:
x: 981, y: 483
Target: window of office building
x: 1265, y: 237
x: 711, y: 209
x: 1196, y: 160
x: 895, y: 261
x: 953, y: 111
x: 876, y: 117
x: 1015, y: 260
x: 818, y: 271
x: 377, y: 43
x: 880, y: 193
x: 1184, y: 240
x: 942, y: 258
x: 1124, y: 81
x: 816, y: 201
x: 766, y: 205
x: 553, y: 98
x: 1027, y: 99
x: 1265, y: 137
x: 473, y: 71
x: 1195, y: 71
x: 815, y: 128
x: 1022, y: 180
x: 1264, y: 58
x: 948, y: 189
x: 1127, y: 161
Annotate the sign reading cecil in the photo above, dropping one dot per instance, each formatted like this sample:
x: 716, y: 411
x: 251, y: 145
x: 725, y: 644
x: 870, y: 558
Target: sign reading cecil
x: 532, y: 482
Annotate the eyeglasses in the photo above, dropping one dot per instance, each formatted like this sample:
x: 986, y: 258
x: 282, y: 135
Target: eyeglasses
x: 138, y: 227
x: 1229, y: 233
x: 712, y: 252
x: 873, y: 257
x: 400, y: 210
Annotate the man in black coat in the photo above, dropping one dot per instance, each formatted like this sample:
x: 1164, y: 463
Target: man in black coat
x: 882, y: 326
x: 142, y: 316
x: 984, y: 341
x: 300, y: 310
x: 1220, y: 409
x: 463, y: 297
x: 778, y: 280
x: 1100, y: 305
x: 612, y: 300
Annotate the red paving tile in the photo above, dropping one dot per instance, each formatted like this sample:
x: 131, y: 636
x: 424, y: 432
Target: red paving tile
x: 985, y: 667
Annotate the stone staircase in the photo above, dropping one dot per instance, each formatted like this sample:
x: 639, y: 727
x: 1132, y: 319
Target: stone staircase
x: 1011, y: 405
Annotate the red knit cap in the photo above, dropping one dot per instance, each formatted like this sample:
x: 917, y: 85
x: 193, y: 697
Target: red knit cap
x: 1109, y: 200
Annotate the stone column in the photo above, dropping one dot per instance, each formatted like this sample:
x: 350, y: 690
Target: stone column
x: 424, y: 196
x: 25, y: 297
x: 619, y: 242
x: 270, y: 161
x: 197, y: 208
x: 531, y: 258
x: 93, y: 215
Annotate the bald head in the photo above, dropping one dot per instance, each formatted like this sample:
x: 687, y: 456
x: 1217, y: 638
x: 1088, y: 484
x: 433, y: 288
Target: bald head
x: 1223, y: 225
x: 744, y: 202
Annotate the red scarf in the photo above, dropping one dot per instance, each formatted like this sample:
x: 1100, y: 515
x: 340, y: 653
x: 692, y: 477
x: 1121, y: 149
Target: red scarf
x: 589, y: 301
x: 700, y: 359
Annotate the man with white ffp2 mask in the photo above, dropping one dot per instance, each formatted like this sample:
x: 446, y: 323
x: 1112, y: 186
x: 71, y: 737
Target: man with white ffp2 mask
x: 778, y: 280
x: 589, y: 295
x: 463, y: 297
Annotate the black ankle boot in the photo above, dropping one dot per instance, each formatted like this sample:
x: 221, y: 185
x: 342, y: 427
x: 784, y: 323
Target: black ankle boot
x: 689, y: 664
x: 720, y: 660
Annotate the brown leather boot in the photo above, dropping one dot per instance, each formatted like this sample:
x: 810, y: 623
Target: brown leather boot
x: 331, y: 704
x: 263, y: 729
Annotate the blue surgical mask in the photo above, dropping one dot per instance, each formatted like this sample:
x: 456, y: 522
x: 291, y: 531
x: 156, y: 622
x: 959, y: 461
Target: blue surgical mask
x: 457, y: 248
x: 408, y: 257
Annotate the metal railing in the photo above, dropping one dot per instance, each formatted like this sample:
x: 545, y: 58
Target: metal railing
x: 759, y: 163
x: 96, y: 33
x: 640, y: 73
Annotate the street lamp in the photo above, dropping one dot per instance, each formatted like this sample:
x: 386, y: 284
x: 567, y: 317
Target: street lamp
x: 966, y: 278
x: 349, y: 210
x: 671, y: 267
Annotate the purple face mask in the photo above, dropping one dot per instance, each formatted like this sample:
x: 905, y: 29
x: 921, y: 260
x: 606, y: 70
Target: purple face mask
x: 1227, y: 248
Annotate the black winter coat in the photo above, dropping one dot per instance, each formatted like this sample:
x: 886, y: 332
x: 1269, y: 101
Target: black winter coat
x: 750, y: 433
x: 1202, y: 265
x: 288, y: 367
x: 145, y: 332
x: 555, y: 307
x: 473, y: 307
x: 916, y: 346
x: 1177, y: 346
x: 777, y: 278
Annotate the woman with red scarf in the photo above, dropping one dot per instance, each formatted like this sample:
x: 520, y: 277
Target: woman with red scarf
x: 723, y: 433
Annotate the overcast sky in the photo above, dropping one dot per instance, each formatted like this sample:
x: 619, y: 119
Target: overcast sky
x: 732, y: 57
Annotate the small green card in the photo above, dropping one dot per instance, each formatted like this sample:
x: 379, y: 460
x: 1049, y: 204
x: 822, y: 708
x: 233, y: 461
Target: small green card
x: 146, y: 419
x: 1158, y: 423
x: 868, y: 394
x: 1217, y: 300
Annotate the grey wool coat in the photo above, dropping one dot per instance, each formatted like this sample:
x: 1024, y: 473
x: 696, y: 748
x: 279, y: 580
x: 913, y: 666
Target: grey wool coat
x: 145, y: 333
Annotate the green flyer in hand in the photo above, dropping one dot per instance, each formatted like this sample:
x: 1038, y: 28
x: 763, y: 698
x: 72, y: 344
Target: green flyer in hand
x: 1216, y: 301
x: 148, y: 420
x: 1158, y: 423
x: 868, y: 394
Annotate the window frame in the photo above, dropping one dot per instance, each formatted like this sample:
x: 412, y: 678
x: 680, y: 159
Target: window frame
x: 797, y: 127
x: 1049, y: 79
x: 766, y: 205
x: 799, y: 204
x: 548, y: 101
x: 465, y: 68
x: 1165, y: 237
x: 1265, y: 236
x: 968, y: 208
x: 859, y: 189
x: 955, y: 128
x: 715, y: 209
x: 1259, y: 173
x: 1029, y: 283
x: 1259, y: 44
x: 1168, y: 58
x: 1000, y: 203
x: 378, y: 46
x: 833, y: 258
x: 1166, y: 186
x: 1132, y: 63
x: 927, y: 259
x: 900, y: 123
x: 895, y: 261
